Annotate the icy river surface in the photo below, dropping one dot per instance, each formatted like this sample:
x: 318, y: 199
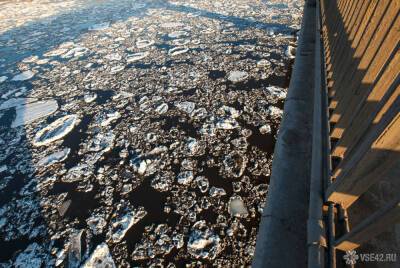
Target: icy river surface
x: 139, y: 133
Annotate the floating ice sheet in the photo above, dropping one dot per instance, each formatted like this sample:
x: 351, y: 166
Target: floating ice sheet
x: 237, y: 76
x: 30, y: 112
x: 54, y: 157
x: 99, y: 26
x: 121, y: 224
x: 23, y: 76
x: 55, y: 131
x: 100, y: 258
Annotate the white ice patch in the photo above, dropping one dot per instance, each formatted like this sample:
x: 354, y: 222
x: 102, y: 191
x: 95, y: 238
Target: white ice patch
x: 30, y: 112
x: 185, y: 177
x: 89, y: 97
x: 178, y: 34
x: 203, y: 242
x: 137, y: 56
x: 290, y: 52
x: 122, y: 224
x: 162, y: 108
x: 54, y: 157
x: 23, y: 76
x: 113, y: 57
x: 237, y: 208
x: 116, y: 69
x: 144, y: 43
x: 100, y: 258
x: 263, y: 63
x: 177, y: 51
x: 56, y: 52
x: 100, y: 26
x: 277, y: 92
x: 186, y: 106
x: 274, y: 111
x: 227, y: 124
x: 30, y: 257
x: 265, y: 129
x: 55, y: 131
x: 3, y: 78
x: 237, y: 76
x: 172, y: 25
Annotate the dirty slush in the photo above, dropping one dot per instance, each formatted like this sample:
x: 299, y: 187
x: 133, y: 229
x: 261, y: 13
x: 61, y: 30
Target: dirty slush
x: 139, y: 133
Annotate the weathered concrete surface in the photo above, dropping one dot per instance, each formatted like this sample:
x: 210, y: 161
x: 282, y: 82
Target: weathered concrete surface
x: 282, y: 238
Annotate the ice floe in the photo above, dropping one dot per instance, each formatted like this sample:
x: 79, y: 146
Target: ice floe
x: 30, y: 112
x: 203, y: 242
x: 99, y: 26
x: 177, y: 51
x: 237, y: 76
x: 54, y: 157
x: 237, y: 208
x: 56, y: 130
x: 122, y: 223
x: 137, y: 56
x: 23, y: 76
x: 100, y: 258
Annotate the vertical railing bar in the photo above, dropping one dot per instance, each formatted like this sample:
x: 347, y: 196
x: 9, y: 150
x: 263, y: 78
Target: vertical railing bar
x: 327, y: 164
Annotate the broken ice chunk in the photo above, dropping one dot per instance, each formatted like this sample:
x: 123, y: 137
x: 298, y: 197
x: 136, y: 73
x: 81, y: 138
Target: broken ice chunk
x: 199, y: 113
x: 235, y: 164
x: 23, y: 76
x: 177, y: 51
x: 185, y: 177
x: 172, y: 24
x: 202, y: 183
x: 193, y: 146
x: 290, y: 52
x: 214, y: 191
x: 121, y: 224
x: 75, y: 249
x: 274, y: 111
x: 32, y: 256
x: 56, y: 130
x: 3, y: 78
x: 137, y: 56
x: 113, y: 57
x: 237, y: 76
x: 276, y: 92
x: 162, y: 182
x: 161, y: 109
x: 30, y: 112
x: 3, y: 168
x: 109, y: 117
x: 55, y: 52
x: 186, y: 106
x: 203, y: 242
x: 101, y: 142
x: 89, y: 97
x: 144, y: 43
x: 227, y: 124
x: 237, y: 208
x: 265, y: 129
x: 116, y: 69
x: 99, y: 26
x: 100, y: 258
x: 230, y: 111
x: 77, y: 173
x: 178, y: 34
x: 54, y: 157
x: 96, y: 223
x: 263, y: 63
